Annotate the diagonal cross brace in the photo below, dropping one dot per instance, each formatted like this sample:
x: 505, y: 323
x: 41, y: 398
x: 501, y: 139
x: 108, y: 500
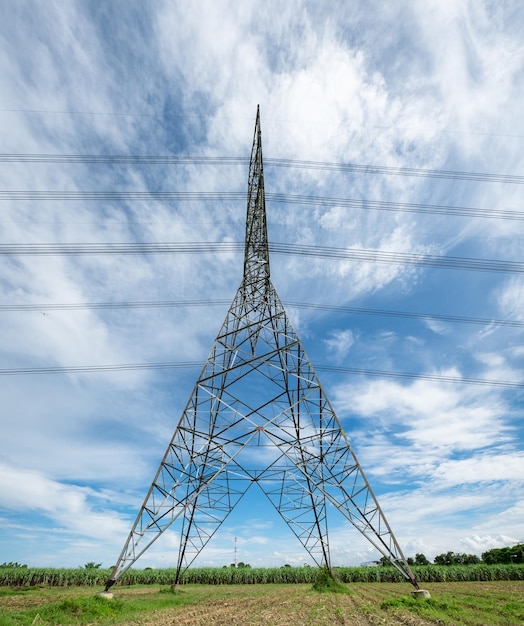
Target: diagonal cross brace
x: 258, y: 388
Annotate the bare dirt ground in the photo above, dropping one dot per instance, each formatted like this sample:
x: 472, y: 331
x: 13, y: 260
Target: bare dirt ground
x: 279, y: 607
x: 297, y: 605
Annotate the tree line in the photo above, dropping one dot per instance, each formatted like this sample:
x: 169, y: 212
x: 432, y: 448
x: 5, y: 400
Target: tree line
x: 495, y: 556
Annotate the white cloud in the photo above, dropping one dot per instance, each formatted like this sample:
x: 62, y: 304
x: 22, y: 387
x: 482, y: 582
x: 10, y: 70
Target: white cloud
x: 477, y: 544
x: 433, y: 85
x: 511, y: 299
x: 431, y: 432
x: 75, y: 509
x: 483, y: 468
x: 339, y: 344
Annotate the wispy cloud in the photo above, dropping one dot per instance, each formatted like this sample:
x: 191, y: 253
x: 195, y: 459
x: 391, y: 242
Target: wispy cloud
x: 435, y: 86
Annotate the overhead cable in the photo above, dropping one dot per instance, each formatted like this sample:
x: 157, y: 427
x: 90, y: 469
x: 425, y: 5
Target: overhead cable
x: 351, y: 254
x: 231, y: 196
x: 397, y: 171
x: 74, y: 306
x: 268, y: 162
x: 191, y: 364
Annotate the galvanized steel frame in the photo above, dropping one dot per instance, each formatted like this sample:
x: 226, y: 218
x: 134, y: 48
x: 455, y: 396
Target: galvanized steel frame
x: 258, y: 390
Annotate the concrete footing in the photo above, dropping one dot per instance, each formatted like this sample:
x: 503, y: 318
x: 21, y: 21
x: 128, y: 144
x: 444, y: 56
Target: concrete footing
x: 421, y: 594
x: 106, y: 595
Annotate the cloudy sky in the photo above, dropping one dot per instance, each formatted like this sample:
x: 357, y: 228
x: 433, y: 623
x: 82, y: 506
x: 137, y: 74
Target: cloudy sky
x: 425, y: 93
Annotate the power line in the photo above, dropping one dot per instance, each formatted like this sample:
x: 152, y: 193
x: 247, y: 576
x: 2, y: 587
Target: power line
x: 353, y: 254
x: 73, y: 306
x: 110, y: 305
x: 96, y: 368
x: 191, y: 196
x: 407, y: 314
x: 397, y: 171
x: 268, y: 162
x: 123, y: 159
x: 121, y: 195
x: 191, y: 364
x: 411, y: 207
x: 403, y: 258
x: 121, y: 248
x: 435, y: 377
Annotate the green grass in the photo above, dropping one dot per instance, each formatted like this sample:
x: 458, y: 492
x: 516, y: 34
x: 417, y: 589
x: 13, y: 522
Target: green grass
x: 442, y: 612
x: 85, y: 609
x: 457, y: 604
x: 326, y: 583
x: 460, y: 609
x: 92, y: 608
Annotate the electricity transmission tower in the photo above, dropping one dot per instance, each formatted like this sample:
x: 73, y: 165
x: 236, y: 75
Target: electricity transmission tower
x: 259, y: 390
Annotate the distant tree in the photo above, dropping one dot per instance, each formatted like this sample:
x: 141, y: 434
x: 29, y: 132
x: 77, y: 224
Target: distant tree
x: 12, y: 564
x: 495, y: 555
x: 420, y: 559
x: 470, y: 559
x: 233, y: 565
x: 92, y: 565
x: 445, y: 558
x: 452, y: 558
x: 516, y: 556
x: 411, y: 561
x: 384, y: 562
x: 509, y: 554
x: 244, y: 565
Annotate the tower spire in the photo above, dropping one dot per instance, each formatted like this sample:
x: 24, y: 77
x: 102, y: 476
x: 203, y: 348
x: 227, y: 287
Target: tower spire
x: 256, y: 256
x: 258, y: 389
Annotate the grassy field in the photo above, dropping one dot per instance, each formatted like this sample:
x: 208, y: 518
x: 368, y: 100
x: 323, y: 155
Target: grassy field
x: 497, y: 603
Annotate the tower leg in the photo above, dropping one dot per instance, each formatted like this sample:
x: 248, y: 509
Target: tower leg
x: 256, y: 388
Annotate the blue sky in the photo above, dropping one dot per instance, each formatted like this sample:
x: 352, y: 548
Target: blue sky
x: 427, y: 85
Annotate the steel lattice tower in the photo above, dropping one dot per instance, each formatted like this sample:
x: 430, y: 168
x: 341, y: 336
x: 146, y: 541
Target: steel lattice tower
x: 258, y: 388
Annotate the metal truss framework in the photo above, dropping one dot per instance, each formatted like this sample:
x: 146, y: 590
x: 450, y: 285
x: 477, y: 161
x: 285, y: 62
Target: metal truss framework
x: 258, y: 389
